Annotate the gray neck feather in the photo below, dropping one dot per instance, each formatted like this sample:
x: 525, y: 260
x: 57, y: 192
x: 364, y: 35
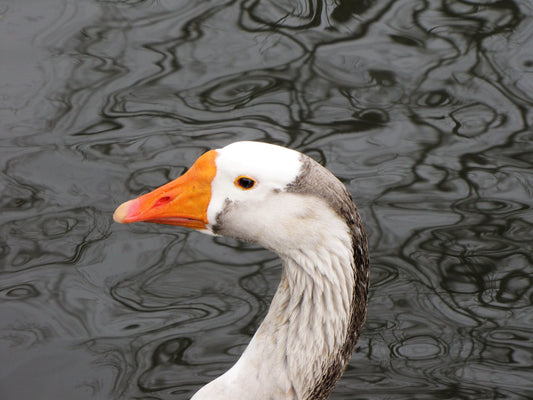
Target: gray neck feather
x: 309, y: 318
x: 309, y: 333
x: 311, y: 180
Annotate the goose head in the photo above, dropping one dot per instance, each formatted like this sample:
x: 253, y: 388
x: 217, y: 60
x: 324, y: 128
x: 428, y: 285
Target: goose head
x: 251, y: 191
x: 284, y: 201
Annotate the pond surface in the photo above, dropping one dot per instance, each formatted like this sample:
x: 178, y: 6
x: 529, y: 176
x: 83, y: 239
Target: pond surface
x: 424, y: 109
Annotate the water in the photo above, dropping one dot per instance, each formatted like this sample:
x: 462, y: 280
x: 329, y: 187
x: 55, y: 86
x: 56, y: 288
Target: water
x: 424, y: 109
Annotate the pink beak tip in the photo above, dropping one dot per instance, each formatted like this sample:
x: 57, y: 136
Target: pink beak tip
x: 121, y: 212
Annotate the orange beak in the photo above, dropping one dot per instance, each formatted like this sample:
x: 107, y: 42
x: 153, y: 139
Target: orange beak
x: 182, y: 202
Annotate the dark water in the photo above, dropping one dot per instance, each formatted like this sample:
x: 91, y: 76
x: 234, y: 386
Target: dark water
x: 424, y: 109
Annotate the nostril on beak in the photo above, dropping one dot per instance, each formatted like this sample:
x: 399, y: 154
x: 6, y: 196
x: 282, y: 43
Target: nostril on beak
x: 162, y: 201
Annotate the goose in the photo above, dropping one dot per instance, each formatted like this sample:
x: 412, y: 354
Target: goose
x: 288, y: 203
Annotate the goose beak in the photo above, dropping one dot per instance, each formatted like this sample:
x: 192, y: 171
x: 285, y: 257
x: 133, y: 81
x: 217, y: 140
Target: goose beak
x: 182, y: 202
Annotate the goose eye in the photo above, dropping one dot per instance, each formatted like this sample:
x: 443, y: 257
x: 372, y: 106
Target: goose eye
x: 244, y: 182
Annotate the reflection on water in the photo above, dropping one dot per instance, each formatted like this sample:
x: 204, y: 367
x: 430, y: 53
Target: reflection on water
x: 423, y: 109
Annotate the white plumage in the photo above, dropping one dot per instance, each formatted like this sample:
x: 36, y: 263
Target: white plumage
x: 288, y: 203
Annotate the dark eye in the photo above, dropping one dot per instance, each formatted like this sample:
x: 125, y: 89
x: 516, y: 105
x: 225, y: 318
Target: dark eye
x: 244, y: 182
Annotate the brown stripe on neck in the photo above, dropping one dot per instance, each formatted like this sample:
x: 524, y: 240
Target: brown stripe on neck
x: 315, y: 180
